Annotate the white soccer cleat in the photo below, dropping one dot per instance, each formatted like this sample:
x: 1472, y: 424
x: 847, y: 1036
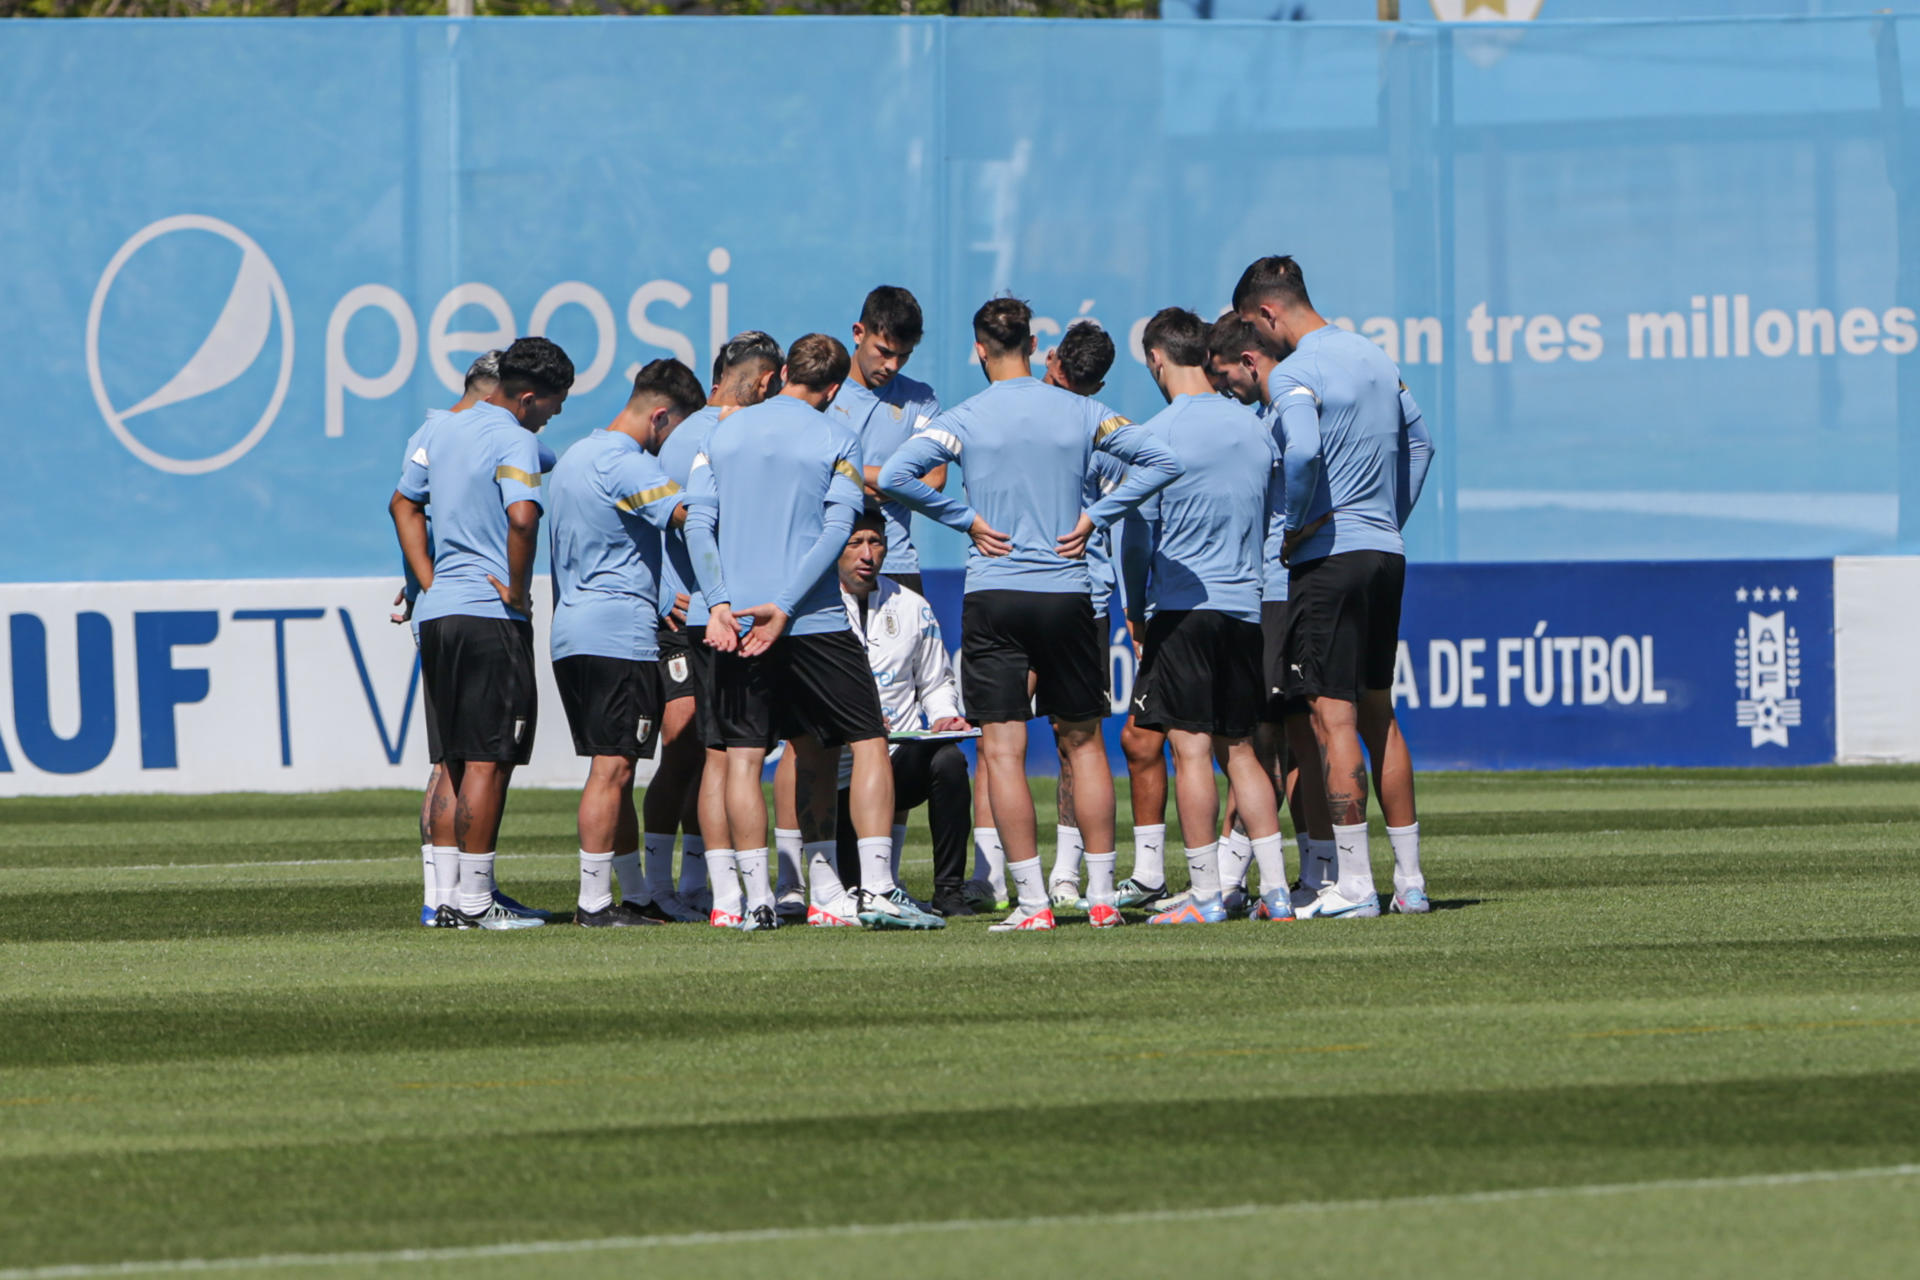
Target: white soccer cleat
x: 1104, y: 915
x: 842, y: 913
x: 1025, y: 920
x: 1331, y: 904
x: 725, y: 919
x: 1066, y: 893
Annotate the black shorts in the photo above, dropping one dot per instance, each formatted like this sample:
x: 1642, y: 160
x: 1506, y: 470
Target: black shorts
x: 1273, y: 664
x: 613, y: 704
x: 700, y: 657
x: 1103, y: 626
x: 816, y: 686
x: 1343, y: 624
x: 479, y: 674
x: 1005, y: 634
x: 1201, y: 673
x: 426, y: 707
x: 678, y: 679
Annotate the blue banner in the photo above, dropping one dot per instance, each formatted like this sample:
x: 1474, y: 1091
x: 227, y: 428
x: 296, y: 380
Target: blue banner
x: 1586, y: 665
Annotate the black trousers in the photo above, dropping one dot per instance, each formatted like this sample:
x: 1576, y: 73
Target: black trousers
x: 933, y: 774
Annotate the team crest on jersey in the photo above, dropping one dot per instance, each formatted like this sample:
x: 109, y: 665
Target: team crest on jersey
x: 1766, y: 670
x: 892, y: 626
x: 899, y: 411
x: 677, y: 668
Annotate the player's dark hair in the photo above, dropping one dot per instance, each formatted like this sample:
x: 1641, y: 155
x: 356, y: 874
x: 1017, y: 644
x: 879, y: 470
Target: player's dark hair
x: 1271, y: 279
x: 1180, y: 334
x: 869, y: 516
x: 817, y: 361
x: 1004, y: 325
x: 892, y: 312
x: 748, y: 347
x: 1085, y: 352
x: 485, y: 368
x: 536, y: 365
x: 1230, y: 337
x: 672, y: 382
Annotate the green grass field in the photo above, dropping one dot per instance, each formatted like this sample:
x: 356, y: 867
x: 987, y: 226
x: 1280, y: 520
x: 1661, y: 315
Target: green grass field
x: 1665, y: 1023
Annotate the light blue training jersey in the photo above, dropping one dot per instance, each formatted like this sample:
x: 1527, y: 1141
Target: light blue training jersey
x: 473, y: 465
x: 606, y: 506
x: 1024, y: 448
x: 782, y: 481
x: 1198, y: 543
x: 1105, y: 473
x: 1273, y: 571
x: 1340, y: 405
x: 414, y: 483
x: 676, y: 459
x: 882, y: 419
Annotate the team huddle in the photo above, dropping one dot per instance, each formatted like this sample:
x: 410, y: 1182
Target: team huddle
x: 733, y: 570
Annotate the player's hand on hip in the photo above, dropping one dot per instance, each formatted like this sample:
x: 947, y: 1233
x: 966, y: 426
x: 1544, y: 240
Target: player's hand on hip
x: 768, y: 622
x: 405, y: 606
x: 723, y: 632
x: 516, y: 601
x: 1074, y: 545
x: 989, y: 540
x: 677, y: 616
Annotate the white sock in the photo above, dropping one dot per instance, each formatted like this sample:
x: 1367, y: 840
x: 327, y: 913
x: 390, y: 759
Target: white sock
x: 693, y: 865
x: 823, y: 876
x: 633, y: 883
x: 1353, y: 862
x: 1030, y: 880
x: 899, y: 846
x: 1406, y: 857
x: 1203, y: 872
x: 429, y: 887
x: 725, y: 882
x: 1067, y: 849
x: 989, y: 859
x: 476, y: 882
x: 446, y: 875
x: 1100, y: 878
x: 1235, y: 853
x: 753, y: 877
x: 596, y: 881
x: 788, y: 845
x: 659, y: 874
x: 1150, y: 855
x: 1316, y: 859
x: 876, y: 864
x: 1271, y: 853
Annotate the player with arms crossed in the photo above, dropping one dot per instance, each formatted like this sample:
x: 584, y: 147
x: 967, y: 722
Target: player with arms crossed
x: 476, y: 635
x: 784, y: 484
x: 1025, y: 447
x: 1192, y: 556
x: 607, y: 504
x: 1355, y: 447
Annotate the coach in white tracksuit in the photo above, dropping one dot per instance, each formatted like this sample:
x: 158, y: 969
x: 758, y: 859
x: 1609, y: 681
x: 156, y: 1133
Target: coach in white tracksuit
x: 915, y: 678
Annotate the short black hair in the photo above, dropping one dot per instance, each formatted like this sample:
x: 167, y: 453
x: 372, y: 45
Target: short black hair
x: 817, y: 361
x: 869, y: 517
x: 1179, y: 333
x: 485, y: 368
x: 1004, y: 324
x: 1271, y: 277
x: 893, y: 311
x: 747, y: 346
x: 671, y: 381
x: 1086, y: 353
x: 537, y: 365
x: 1231, y: 336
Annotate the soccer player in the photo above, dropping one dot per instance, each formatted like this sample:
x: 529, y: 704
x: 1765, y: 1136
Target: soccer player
x: 1355, y: 447
x: 915, y: 679
x: 476, y: 635
x: 1024, y: 447
x: 1241, y: 360
x: 745, y: 371
x: 1192, y: 559
x: 781, y: 482
x: 607, y: 503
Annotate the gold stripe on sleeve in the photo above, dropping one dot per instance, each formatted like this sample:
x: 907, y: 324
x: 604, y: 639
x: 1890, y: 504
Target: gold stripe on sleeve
x: 515, y: 473
x: 647, y: 497
x: 846, y: 469
x: 1110, y: 426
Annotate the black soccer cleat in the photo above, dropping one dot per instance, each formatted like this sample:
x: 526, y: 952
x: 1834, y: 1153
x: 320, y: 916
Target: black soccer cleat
x: 952, y: 902
x: 621, y: 915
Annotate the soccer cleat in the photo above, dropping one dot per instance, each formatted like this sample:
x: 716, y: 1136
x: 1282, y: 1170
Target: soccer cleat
x: 1066, y: 893
x: 791, y: 905
x: 1025, y: 919
x: 700, y: 901
x: 674, y: 909
x: 494, y: 917
x: 1410, y: 902
x: 951, y: 903
x: 895, y: 910
x: 760, y: 919
x: 1276, y: 905
x: 842, y: 913
x: 1131, y: 893
x: 520, y: 909
x: 1192, y: 911
x: 621, y: 915
x: 724, y: 919
x: 1304, y: 893
x: 429, y: 916
x: 1104, y: 915
x: 1239, y: 902
x: 1332, y: 905
x: 984, y: 896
